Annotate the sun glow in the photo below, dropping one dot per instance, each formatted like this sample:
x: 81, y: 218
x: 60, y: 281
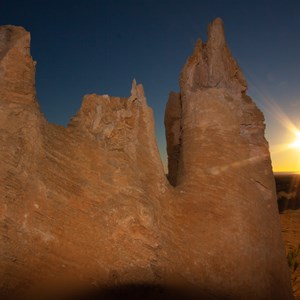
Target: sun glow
x: 296, y: 143
x: 285, y: 156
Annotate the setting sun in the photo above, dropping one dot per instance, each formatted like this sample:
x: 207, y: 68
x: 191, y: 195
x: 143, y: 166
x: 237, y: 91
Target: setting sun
x: 296, y: 143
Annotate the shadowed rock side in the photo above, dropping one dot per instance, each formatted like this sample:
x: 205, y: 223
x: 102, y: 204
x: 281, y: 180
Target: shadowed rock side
x: 89, y: 205
x: 173, y: 134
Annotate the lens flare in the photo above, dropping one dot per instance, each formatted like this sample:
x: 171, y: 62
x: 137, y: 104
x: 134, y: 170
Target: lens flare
x: 296, y: 143
x: 285, y: 156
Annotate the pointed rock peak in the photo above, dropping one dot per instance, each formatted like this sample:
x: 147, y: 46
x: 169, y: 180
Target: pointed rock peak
x: 198, y: 44
x: 217, y: 22
x: 216, y: 33
x: 137, y: 91
x: 211, y: 65
x: 134, y: 88
x: 9, y: 37
x: 17, y: 68
x: 198, y: 47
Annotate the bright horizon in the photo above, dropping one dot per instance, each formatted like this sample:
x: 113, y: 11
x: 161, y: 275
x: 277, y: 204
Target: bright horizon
x: 284, y: 142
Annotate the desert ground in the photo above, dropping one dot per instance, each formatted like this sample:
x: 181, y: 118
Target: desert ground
x: 288, y: 193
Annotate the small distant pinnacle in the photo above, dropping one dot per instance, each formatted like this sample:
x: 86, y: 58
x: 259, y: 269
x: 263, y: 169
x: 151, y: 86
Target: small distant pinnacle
x: 137, y: 90
x: 134, y: 88
x: 216, y: 34
x: 217, y: 23
x: 198, y: 46
x: 218, y: 20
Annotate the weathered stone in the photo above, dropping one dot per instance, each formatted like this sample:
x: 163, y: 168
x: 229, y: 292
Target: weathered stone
x: 225, y: 176
x: 90, y: 205
x: 17, y: 69
x: 211, y: 65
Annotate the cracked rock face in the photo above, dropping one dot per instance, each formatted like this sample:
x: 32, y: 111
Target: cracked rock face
x: 89, y: 205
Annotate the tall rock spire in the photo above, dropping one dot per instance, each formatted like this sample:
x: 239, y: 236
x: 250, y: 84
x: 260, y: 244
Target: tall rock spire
x: 219, y: 159
x: 17, y: 69
x: 212, y: 65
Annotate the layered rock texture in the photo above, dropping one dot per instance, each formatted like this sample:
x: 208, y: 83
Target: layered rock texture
x: 90, y: 204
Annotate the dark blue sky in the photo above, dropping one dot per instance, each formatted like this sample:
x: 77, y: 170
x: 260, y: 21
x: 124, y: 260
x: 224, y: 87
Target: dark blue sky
x: 99, y: 46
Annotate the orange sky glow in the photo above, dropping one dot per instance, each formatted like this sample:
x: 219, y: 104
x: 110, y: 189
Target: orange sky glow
x: 285, y: 143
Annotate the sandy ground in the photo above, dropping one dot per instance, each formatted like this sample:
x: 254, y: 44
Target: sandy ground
x: 290, y: 222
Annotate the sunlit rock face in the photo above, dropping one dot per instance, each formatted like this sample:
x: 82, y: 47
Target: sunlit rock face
x: 89, y: 205
x: 220, y: 162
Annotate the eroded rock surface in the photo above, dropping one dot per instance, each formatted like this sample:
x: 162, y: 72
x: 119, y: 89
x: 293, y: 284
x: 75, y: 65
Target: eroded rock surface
x: 224, y: 174
x: 17, y: 69
x: 90, y: 205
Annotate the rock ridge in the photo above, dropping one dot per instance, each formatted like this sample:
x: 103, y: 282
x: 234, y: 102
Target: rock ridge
x: 89, y: 205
